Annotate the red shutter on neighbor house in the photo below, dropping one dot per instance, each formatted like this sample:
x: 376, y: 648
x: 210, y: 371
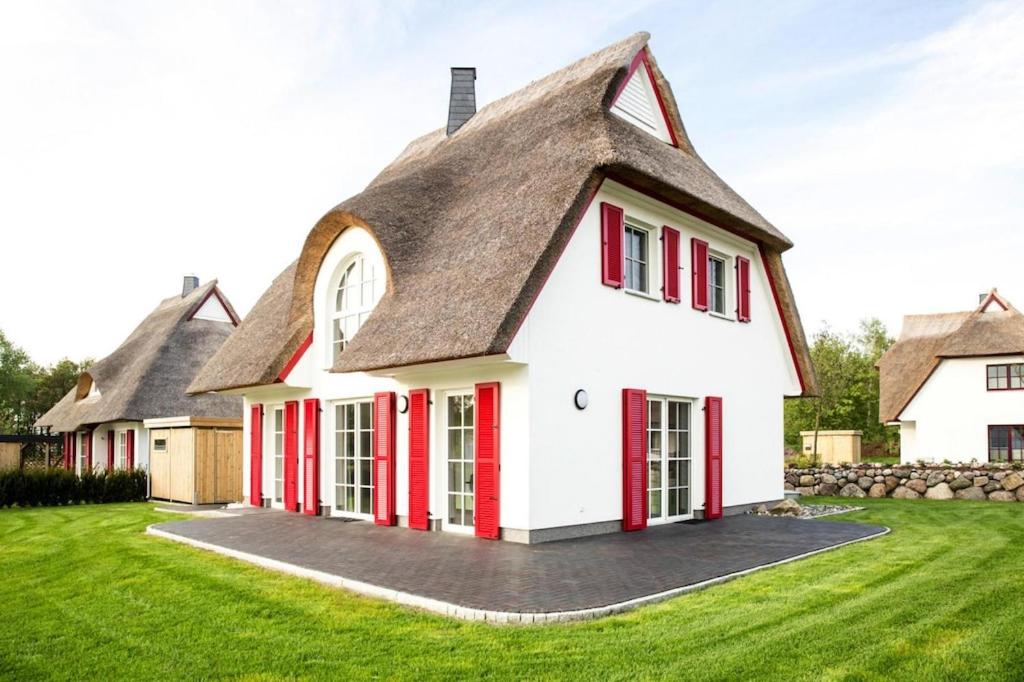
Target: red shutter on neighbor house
x: 69, y: 450
x: 88, y: 450
x: 291, y: 455
x: 129, y: 449
x: 670, y: 263
x: 110, y: 450
x: 712, y: 458
x: 384, y: 459
x: 699, y: 266
x: 612, y: 236
x: 419, y: 458
x: 634, y: 459
x: 742, y: 289
x: 311, y: 456
x: 256, y: 457
x: 487, y: 464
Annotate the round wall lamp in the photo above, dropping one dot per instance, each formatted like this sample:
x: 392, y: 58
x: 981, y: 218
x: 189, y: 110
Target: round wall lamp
x: 581, y: 399
x: 403, y: 404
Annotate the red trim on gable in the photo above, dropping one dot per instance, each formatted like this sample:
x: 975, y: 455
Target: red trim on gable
x: 296, y: 356
x: 214, y: 292
x: 782, y: 318
x: 992, y: 297
x: 643, y: 58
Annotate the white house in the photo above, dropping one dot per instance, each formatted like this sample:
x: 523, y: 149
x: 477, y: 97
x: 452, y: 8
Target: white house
x: 548, y: 319
x: 954, y: 383
x: 103, y: 419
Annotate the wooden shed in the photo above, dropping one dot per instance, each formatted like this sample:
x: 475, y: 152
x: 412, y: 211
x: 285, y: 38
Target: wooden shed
x: 834, y: 447
x: 197, y: 460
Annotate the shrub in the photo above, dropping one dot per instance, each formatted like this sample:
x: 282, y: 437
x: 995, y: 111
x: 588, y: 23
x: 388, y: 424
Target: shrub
x: 51, y: 487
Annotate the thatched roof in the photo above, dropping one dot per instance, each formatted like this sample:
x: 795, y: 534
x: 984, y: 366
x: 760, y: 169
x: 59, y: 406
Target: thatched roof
x: 147, y: 375
x: 471, y: 225
x: 926, y: 339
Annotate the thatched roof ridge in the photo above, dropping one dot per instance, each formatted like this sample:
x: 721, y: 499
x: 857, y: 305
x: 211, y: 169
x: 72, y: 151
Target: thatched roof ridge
x: 471, y: 224
x: 925, y: 340
x: 146, y: 376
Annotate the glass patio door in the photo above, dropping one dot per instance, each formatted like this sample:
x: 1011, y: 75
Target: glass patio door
x: 353, y: 458
x: 459, y: 426
x: 668, y: 460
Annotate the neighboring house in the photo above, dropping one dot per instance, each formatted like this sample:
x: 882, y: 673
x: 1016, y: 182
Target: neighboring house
x: 549, y: 318
x: 102, y: 418
x: 954, y: 384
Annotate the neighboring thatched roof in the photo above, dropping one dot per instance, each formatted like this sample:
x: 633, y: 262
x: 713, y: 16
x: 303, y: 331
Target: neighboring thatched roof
x: 471, y: 225
x: 926, y: 339
x: 147, y: 375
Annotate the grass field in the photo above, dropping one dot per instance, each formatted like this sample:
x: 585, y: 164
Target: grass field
x: 85, y: 594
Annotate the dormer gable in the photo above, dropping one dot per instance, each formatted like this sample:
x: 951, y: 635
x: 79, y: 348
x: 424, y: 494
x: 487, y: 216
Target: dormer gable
x: 639, y: 102
x: 992, y: 302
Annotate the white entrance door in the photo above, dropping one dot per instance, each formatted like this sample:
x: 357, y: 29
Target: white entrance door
x: 668, y: 460
x: 459, y: 423
x: 277, y: 450
x: 353, y: 459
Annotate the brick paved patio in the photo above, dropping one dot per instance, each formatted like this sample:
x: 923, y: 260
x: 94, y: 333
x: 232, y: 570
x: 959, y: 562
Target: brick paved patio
x: 473, y: 578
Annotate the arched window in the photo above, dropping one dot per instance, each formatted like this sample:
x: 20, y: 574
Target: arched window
x: 357, y: 293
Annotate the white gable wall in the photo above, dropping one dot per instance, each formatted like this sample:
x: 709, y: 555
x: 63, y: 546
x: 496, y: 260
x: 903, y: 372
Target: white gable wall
x: 949, y: 417
x: 581, y: 334
x: 212, y: 309
x: 638, y: 104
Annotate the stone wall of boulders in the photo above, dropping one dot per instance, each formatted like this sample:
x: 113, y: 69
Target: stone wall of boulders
x: 998, y: 483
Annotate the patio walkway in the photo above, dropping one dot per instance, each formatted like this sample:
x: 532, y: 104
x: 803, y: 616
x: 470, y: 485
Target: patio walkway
x: 480, y: 579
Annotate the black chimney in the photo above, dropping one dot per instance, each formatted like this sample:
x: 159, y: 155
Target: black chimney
x: 190, y: 284
x: 462, y: 104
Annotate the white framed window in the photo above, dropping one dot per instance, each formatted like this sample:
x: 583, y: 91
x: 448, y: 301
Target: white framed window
x: 353, y: 457
x: 83, y: 440
x: 122, y: 449
x: 459, y: 436
x: 637, y: 258
x: 355, y: 296
x: 277, y: 445
x: 668, y: 459
x: 717, y: 284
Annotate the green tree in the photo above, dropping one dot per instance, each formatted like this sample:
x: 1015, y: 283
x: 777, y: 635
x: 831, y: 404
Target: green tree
x: 51, y: 384
x: 17, y: 381
x: 847, y: 386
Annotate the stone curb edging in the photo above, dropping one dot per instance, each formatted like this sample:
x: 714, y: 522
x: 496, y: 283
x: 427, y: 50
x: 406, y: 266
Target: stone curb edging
x: 466, y: 613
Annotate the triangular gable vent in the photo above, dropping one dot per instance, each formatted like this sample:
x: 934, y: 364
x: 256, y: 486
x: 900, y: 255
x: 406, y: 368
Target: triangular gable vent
x: 638, y: 103
x: 212, y: 309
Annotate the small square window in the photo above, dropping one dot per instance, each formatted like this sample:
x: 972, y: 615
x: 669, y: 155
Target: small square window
x: 1017, y: 376
x: 637, y: 241
x: 159, y: 444
x: 716, y: 285
x: 998, y: 377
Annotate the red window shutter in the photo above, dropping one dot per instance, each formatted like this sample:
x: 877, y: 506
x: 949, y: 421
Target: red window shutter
x: 311, y: 456
x: 384, y: 459
x: 110, y: 450
x: 419, y: 458
x: 712, y: 458
x: 670, y: 263
x: 129, y: 448
x: 487, y: 464
x: 69, y: 451
x: 699, y: 266
x: 88, y: 450
x: 613, y: 224
x: 634, y: 459
x: 256, y: 457
x: 291, y: 455
x: 742, y: 289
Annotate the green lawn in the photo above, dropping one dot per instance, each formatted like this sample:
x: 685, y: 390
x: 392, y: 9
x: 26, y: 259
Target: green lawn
x: 85, y: 594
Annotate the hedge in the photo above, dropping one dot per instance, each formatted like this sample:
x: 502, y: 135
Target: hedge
x: 51, y: 487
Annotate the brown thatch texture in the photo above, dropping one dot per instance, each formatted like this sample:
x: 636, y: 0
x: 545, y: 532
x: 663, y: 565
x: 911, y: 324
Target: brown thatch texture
x: 926, y: 339
x: 147, y: 375
x: 471, y: 224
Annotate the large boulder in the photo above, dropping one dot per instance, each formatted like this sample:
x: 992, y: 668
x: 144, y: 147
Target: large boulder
x: 785, y: 507
x: 992, y: 486
x: 805, y: 490
x: 852, y: 490
x: 891, y: 483
x: 852, y: 477
x: 972, y: 493
x: 981, y: 481
x: 917, y: 485
x: 939, y: 491
x: 828, y: 478
x: 792, y: 479
x: 877, y: 490
x: 959, y: 483
x: 806, y: 481
x: 905, y: 492
x: 1013, y: 481
x: 1002, y: 496
x: 901, y: 473
x: 865, y: 482
x: 935, y: 478
x: 832, y: 489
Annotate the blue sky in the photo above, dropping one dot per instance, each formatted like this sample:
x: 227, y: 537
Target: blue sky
x: 141, y: 141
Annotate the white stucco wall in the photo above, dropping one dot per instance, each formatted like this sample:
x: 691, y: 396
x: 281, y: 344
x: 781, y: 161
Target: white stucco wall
x: 949, y: 417
x: 99, y: 445
x: 581, y: 334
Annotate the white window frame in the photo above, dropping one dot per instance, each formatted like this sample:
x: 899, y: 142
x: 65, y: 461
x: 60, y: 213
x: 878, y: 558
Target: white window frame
x: 726, y: 262
x: 122, y: 450
x: 83, y: 437
x: 648, y: 233
x: 270, y: 446
x: 664, y: 460
x: 347, y: 314
x: 357, y: 451
x: 444, y: 489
